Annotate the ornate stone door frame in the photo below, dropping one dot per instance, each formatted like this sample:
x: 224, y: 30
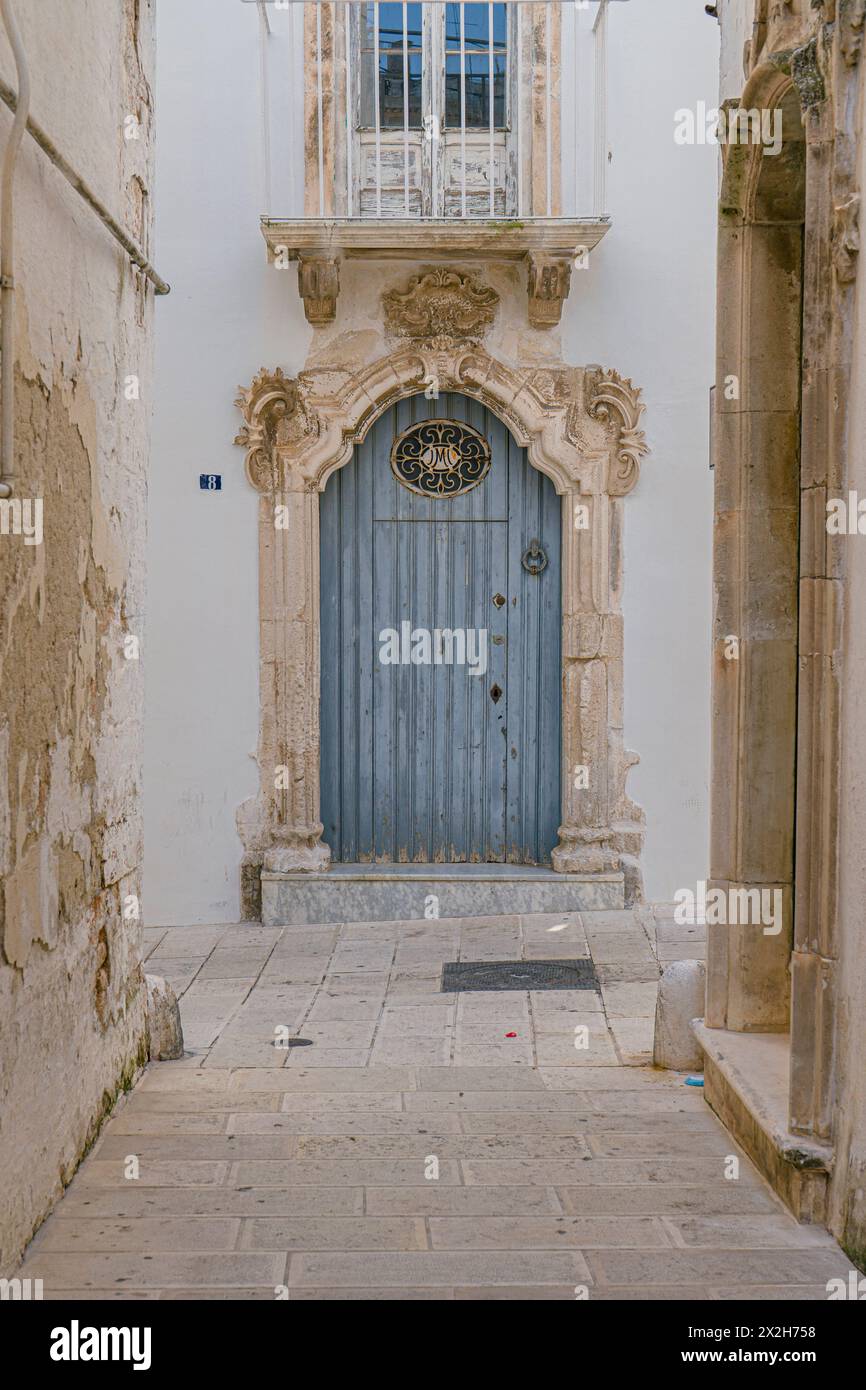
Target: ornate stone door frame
x: 580, y: 426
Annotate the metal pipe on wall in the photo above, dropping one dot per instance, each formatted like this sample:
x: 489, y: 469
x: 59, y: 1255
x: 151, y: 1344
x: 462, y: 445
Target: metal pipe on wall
x: 7, y: 253
x: 19, y: 103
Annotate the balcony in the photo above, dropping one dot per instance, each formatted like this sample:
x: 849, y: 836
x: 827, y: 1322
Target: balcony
x: 468, y: 131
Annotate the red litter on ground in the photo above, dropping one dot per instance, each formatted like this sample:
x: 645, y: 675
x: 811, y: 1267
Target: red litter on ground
x: 511, y: 1035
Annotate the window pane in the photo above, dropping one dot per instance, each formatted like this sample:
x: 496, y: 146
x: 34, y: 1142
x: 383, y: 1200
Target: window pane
x: 367, y: 26
x: 500, y: 26
x: 476, y: 25
x: 477, y: 90
x: 368, y: 90
x: 391, y: 25
x: 391, y: 90
x: 452, y: 26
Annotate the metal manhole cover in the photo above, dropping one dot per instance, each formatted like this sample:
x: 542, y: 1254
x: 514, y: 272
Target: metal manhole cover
x: 518, y: 974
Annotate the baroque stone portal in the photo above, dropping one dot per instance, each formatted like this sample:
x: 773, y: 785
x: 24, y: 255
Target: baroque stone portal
x: 580, y: 426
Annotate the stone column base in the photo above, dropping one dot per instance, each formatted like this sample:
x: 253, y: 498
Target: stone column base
x: 584, y: 852
x: 303, y: 853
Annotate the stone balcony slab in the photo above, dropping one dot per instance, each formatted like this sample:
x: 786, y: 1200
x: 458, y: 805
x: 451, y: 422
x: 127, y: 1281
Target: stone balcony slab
x: 551, y: 247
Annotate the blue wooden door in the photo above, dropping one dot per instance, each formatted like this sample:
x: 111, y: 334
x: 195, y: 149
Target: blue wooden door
x: 440, y: 657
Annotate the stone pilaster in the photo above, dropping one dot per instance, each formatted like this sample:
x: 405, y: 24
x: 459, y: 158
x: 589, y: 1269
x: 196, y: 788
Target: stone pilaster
x: 289, y: 629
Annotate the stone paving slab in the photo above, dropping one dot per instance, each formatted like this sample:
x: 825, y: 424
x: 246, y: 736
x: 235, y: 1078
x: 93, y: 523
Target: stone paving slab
x: 96, y: 1236
x: 184, y: 1103
x: 373, y: 1295
x: 351, y: 1123
x: 434, y: 1200
x: 583, y: 1121
x: 154, y: 1172
x: 414, y: 1151
x: 436, y: 1267
x: 303, y: 1080
x: 547, y: 1233
x: 393, y: 1051
x: 150, y: 1122
x: 687, y: 1267
x: 598, y: 1172
x: 377, y: 1172
x: 668, y: 1199
x: 334, y: 1233
x: 747, y: 1233
x: 659, y: 1144
x: 59, y: 1270
x: 564, y: 1102
x: 228, y: 1148
x: 320, y: 1102
x: 117, y: 1295
x: 462, y: 1146
x: 132, y: 1206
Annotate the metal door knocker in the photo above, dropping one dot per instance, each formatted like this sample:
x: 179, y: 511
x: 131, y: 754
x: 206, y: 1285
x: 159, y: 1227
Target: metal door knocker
x: 534, y: 559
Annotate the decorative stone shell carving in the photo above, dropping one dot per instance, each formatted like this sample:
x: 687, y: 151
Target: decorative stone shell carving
x: 438, y: 305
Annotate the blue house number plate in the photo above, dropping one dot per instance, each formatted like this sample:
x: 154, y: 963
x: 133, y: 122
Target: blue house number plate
x: 210, y: 482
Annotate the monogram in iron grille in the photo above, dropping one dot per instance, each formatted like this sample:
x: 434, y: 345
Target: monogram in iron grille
x: 440, y: 458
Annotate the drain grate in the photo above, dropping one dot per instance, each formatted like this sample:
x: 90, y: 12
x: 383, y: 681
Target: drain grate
x: 518, y: 974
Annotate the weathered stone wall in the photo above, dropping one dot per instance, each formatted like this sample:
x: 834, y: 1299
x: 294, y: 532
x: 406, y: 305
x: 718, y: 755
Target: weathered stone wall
x: 818, y: 47
x: 848, y: 1188
x: 72, y: 996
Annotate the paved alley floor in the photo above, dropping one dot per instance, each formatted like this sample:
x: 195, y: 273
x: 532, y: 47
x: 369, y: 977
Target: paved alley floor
x: 493, y: 1145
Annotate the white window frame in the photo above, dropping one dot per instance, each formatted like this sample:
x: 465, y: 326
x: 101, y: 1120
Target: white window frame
x: 432, y: 170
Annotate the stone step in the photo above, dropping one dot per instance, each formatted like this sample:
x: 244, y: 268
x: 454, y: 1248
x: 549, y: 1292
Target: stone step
x: 404, y: 892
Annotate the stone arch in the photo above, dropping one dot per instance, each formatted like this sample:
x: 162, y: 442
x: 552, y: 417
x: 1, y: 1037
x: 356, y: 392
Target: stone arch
x: 578, y: 425
x: 748, y: 180
x: 581, y: 427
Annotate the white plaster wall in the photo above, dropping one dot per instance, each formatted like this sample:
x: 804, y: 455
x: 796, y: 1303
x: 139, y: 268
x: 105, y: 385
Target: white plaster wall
x: 645, y: 307
x: 736, y: 18
x: 226, y: 317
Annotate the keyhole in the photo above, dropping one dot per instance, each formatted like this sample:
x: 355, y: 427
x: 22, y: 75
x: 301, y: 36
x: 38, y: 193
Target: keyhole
x: 495, y: 694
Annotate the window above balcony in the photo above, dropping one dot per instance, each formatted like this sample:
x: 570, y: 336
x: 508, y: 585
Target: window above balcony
x: 455, y: 130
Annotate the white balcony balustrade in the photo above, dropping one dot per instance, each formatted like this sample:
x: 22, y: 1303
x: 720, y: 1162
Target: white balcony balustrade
x: 472, y: 129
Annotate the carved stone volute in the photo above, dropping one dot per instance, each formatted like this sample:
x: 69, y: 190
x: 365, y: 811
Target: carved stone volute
x: 613, y: 400
x: 272, y: 409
